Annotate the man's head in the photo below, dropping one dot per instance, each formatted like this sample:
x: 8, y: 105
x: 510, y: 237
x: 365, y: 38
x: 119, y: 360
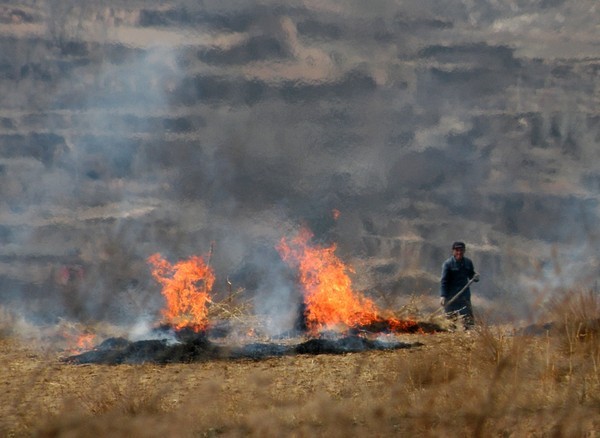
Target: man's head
x: 458, y: 250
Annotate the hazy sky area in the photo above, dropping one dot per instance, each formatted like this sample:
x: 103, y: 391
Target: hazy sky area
x: 134, y: 127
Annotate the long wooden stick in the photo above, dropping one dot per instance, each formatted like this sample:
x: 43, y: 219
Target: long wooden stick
x: 455, y: 296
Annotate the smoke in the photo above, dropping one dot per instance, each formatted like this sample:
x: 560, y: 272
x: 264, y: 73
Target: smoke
x: 130, y: 130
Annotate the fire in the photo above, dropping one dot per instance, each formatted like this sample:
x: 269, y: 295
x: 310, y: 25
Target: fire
x: 78, y: 341
x: 186, y: 288
x: 330, y: 301
x: 86, y: 341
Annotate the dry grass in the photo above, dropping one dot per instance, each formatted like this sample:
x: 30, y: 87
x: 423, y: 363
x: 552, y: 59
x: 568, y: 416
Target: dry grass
x: 487, y: 382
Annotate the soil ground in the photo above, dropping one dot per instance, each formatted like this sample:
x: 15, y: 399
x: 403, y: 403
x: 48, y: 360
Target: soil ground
x: 484, y: 382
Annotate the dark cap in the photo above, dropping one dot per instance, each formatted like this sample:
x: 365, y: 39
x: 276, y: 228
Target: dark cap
x: 457, y: 245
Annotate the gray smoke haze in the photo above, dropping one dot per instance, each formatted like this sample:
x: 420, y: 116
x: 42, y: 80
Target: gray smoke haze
x: 129, y: 128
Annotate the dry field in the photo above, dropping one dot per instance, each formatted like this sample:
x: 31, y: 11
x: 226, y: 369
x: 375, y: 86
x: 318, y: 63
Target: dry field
x: 491, y: 381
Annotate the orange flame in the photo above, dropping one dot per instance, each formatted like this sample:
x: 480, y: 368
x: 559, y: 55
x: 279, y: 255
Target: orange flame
x: 330, y: 301
x: 186, y: 288
x: 86, y: 341
x: 77, y: 341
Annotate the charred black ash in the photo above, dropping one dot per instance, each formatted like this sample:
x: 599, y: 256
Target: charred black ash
x: 348, y: 344
x: 116, y: 351
x: 191, y: 346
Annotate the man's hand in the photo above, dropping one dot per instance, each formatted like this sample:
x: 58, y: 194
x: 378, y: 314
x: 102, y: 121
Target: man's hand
x: 442, y: 301
x: 476, y: 276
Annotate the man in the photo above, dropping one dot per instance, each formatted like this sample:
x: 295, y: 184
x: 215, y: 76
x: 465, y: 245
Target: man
x: 457, y: 271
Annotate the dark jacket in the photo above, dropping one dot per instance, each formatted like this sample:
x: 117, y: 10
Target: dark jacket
x: 455, y: 275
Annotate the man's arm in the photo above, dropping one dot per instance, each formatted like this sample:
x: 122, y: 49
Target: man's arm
x: 444, y: 284
x: 473, y: 275
x: 444, y: 280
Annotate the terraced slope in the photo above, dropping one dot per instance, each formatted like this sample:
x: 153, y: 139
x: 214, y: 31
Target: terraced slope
x: 128, y: 128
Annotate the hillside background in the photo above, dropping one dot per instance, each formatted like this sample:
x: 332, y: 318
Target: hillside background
x: 134, y: 127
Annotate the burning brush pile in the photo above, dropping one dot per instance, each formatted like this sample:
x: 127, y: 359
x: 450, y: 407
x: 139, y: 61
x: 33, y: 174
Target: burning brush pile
x: 335, y: 319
